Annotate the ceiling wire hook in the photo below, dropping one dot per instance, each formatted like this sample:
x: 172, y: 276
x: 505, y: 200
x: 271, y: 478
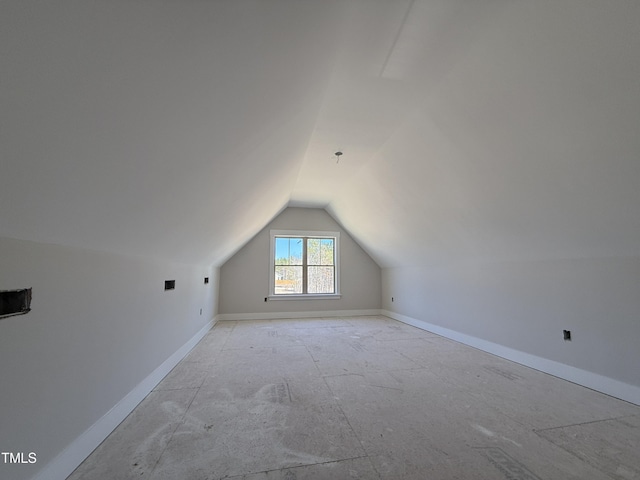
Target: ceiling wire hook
x: 338, y: 154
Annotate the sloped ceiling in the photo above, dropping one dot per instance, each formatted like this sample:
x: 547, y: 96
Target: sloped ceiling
x: 484, y: 129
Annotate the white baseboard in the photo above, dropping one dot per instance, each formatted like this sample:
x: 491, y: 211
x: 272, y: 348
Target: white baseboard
x: 607, y: 385
x: 75, y: 453
x: 313, y: 314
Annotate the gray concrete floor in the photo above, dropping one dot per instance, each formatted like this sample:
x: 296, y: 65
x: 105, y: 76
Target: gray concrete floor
x: 367, y: 398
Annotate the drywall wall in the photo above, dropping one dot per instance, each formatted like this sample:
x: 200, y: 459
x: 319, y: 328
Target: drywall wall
x: 526, y: 306
x: 100, y: 324
x: 244, y: 278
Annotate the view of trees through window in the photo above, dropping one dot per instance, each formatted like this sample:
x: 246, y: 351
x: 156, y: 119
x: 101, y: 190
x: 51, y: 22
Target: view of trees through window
x: 304, y: 265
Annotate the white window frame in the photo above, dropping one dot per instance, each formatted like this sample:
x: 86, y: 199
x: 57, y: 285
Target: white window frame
x: 303, y: 233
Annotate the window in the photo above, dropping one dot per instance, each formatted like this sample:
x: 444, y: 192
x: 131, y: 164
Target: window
x: 304, y: 264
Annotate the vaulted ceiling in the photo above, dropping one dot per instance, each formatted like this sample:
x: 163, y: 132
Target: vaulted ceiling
x: 471, y: 129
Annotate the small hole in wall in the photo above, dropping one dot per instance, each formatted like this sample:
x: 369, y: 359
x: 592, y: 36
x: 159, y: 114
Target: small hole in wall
x: 169, y: 284
x: 567, y: 335
x: 206, y: 280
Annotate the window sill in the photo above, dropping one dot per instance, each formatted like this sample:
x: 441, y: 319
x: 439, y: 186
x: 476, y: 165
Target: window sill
x: 308, y: 296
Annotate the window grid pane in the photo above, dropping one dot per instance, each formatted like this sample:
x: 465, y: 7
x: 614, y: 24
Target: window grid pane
x: 326, y: 251
x: 320, y: 279
x: 313, y: 251
x: 320, y: 251
x: 288, y: 251
x: 288, y: 279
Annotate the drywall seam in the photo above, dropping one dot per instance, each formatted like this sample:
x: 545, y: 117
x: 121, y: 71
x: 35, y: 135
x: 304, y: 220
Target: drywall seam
x: 607, y: 385
x: 312, y: 314
x: 78, y: 450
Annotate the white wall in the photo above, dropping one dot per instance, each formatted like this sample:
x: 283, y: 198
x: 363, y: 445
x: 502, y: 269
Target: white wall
x: 100, y: 324
x: 526, y: 305
x: 244, y: 278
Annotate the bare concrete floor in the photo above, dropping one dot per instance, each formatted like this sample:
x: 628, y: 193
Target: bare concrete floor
x: 363, y: 398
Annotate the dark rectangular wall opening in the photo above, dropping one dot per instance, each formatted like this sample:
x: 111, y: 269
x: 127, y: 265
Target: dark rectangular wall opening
x: 169, y: 284
x: 15, y: 302
x: 206, y: 279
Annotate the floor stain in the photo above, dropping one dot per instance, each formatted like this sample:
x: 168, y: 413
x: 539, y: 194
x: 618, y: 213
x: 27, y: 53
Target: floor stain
x: 509, y: 466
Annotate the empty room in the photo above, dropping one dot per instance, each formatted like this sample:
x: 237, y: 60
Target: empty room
x: 320, y: 239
